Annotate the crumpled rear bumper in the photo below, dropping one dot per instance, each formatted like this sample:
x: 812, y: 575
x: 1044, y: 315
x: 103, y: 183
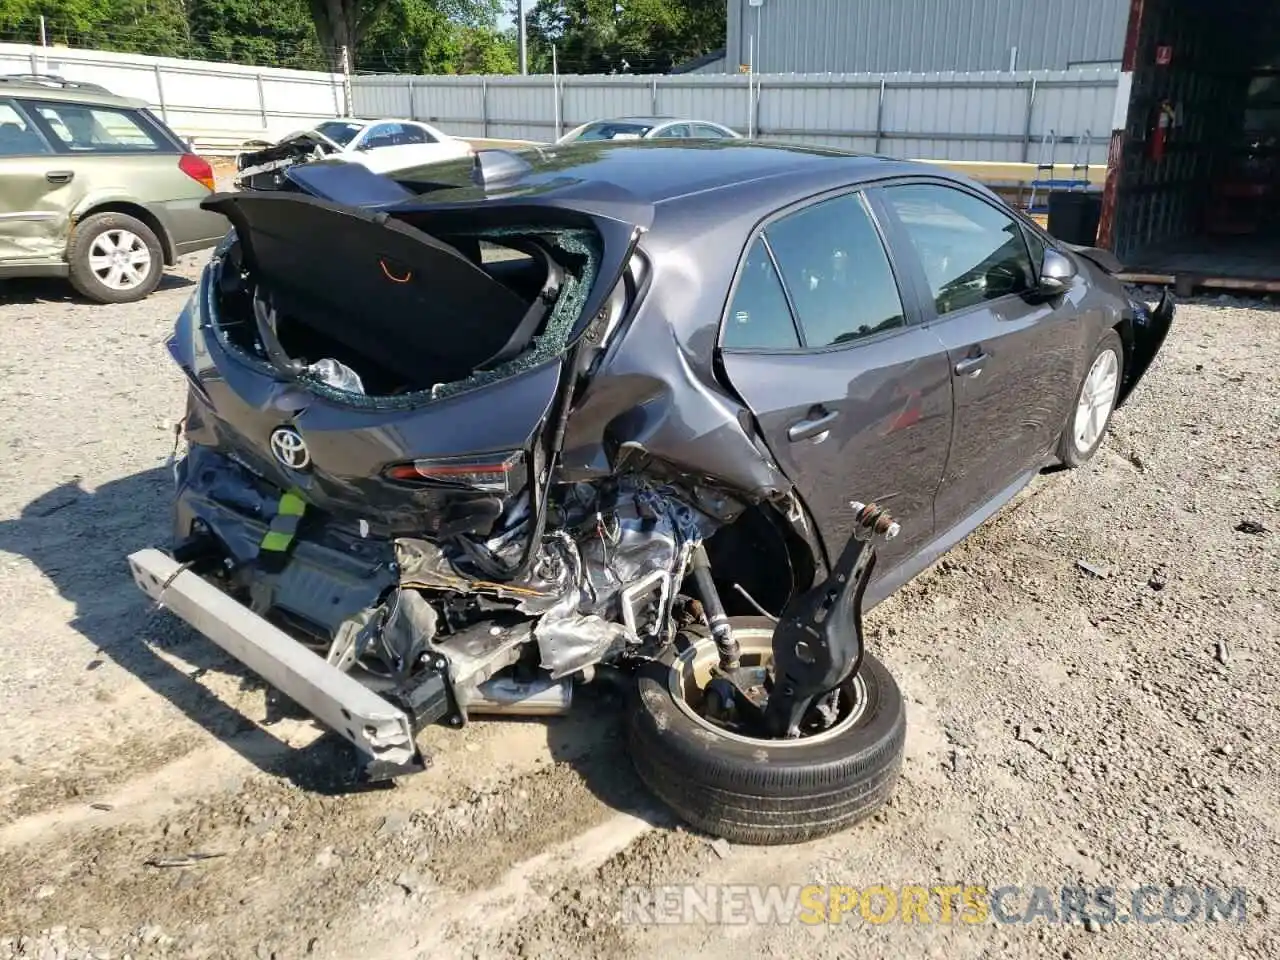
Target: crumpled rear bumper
x: 381, y: 732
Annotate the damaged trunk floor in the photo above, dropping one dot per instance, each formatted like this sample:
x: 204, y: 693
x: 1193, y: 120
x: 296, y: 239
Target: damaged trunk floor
x: 1062, y: 726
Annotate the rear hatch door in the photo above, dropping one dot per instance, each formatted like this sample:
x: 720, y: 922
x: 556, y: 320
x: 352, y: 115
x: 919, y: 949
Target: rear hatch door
x: 407, y: 298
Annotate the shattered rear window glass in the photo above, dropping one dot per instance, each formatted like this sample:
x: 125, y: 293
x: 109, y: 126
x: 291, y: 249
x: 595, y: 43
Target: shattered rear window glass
x: 578, y: 247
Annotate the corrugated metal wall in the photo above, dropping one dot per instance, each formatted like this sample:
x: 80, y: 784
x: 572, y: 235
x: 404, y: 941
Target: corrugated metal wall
x: 961, y: 116
x: 855, y: 36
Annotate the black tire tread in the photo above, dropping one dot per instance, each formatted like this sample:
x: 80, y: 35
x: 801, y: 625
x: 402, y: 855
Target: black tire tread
x: 799, y: 794
x: 84, y: 280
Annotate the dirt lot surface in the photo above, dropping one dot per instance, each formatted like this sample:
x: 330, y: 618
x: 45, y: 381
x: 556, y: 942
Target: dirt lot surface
x: 1065, y: 728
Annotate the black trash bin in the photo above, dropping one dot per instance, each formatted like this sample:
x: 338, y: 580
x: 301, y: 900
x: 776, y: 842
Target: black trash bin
x: 1074, y: 216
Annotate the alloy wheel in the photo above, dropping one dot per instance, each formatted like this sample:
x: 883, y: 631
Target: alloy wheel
x: 1097, y: 397
x: 119, y: 259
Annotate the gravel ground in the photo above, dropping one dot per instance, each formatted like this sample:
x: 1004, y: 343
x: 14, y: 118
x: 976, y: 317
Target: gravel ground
x: 1065, y: 728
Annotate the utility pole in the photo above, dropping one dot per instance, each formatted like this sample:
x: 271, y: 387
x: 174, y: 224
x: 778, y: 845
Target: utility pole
x: 523, y: 34
x: 346, y: 80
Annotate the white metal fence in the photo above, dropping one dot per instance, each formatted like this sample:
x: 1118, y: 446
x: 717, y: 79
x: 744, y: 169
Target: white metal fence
x: 195, y: 97
x: 942, y: 116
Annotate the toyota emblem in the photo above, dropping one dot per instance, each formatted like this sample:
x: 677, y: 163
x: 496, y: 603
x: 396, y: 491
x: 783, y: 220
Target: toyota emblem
x: 290, y: 449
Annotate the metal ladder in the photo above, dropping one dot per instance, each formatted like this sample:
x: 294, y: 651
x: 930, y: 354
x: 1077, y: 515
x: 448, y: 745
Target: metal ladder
x: 1079, y: 179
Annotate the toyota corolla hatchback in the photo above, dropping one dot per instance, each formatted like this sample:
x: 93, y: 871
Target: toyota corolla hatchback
x: 665, y: 413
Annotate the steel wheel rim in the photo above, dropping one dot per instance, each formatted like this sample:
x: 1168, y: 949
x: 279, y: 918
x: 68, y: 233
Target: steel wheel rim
x: 120, y: 259
x: 1097, y: 397
x: 691, y: 670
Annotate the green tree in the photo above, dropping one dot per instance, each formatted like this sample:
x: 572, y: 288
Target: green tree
x: 153, y: 27
x: 275, y: 33
x: 342, y: 24
x: 66, y: 21
x: 421, y: 36
x: 437, y: 36
x: 633, y: 36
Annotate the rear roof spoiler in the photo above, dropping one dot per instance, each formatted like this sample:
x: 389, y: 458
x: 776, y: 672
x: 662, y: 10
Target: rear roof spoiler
x: 495, y: 166
x: 351, y: 184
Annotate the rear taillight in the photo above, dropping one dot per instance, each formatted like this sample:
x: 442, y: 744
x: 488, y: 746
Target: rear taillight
x: 501, y: 473
x: 197, y: 168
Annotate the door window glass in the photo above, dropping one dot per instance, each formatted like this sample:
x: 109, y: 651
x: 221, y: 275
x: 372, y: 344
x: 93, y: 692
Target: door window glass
x: 85, y: 129
x: 971, y: 252
x: 708, y: 131
x: 383, y: 135
x: 836, y: 271
x: 17, y: 137
x: 759, y: 317
x: 412, y: 133
x: 678, y: 130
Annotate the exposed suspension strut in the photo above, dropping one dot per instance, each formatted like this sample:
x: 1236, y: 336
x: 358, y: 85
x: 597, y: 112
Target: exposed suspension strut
x: 817, y: 644
x: 721, y: 631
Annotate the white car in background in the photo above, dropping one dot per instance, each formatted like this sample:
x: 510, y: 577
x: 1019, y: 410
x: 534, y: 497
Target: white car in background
x: 650, y: 128
x: 383, y: 146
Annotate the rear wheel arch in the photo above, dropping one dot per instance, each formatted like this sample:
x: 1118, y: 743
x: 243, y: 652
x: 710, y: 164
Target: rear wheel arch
x: 138, y: 212
x: 754, y: 551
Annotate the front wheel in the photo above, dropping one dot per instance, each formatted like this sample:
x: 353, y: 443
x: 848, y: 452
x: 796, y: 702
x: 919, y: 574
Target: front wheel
x: 758, y: 791
x: 1095, y: 400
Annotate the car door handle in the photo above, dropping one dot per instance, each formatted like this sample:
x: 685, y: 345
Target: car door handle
x: 970, y: 366
x: 60, y: 176
x: 813, y: 426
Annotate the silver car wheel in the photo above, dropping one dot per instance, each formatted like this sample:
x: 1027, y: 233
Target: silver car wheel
x: 119, y: 259
x: 1097, y: 397
x: 692, y: 671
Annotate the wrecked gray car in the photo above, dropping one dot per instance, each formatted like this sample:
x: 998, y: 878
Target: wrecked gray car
x: 669, y: 413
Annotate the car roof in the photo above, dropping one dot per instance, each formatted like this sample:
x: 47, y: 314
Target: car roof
x: 614, y: 170
x: 366, y: 121
x: 55, y: 88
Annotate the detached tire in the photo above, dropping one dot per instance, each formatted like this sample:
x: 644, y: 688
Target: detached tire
x: 1082, y: 435
x: 767, y: 792
x: 114, y: 258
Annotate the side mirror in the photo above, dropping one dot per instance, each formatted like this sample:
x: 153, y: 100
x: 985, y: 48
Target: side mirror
x: 1056, y: 273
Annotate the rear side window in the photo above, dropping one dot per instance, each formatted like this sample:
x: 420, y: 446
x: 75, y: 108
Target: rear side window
x: 383, y: 135
x: 837, y: 272
x: 970, y: 251
x: 341, y: 132
x: 86, y: 129
x: 396, y: 135
x: 613, y: 131
x: 708, y: 132
x: 17, y: 137
x: 759, y: 317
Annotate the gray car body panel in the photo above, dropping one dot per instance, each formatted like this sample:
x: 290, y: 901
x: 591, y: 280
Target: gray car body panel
x: 657, y: 398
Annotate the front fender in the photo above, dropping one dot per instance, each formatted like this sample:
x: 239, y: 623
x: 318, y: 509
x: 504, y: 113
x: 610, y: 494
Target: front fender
x: 1148, y: 328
